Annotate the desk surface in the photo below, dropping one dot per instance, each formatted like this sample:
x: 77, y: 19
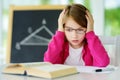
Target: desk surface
x: 80, y: 76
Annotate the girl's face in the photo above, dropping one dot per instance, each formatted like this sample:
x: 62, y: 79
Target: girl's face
x: 74, y: 33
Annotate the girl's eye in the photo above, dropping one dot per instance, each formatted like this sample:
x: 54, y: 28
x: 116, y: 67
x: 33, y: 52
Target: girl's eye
x: 80, y: 31
x: 69, y: 29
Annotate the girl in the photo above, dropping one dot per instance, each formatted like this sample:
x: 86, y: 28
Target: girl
x: 75, y: 42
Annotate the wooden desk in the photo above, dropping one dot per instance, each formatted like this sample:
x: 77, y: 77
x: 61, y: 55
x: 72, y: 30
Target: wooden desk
x: 115, y: 75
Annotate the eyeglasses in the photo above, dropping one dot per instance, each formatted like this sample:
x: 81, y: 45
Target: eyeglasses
x: 78, y: 31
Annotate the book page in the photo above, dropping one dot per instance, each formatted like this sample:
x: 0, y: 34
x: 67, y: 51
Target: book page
x: 15, y: 68
x: 33, y: 64
x: 51, y: 68
x: 51, y: 71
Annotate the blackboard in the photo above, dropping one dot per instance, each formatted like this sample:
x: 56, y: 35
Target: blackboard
x: 30, y: 30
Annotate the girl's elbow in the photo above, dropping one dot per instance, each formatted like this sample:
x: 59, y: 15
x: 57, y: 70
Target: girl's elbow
x: 102, y: 63
x: 105, y: 62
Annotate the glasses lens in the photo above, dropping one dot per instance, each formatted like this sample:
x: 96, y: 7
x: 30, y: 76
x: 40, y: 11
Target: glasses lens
x: 80, y: 31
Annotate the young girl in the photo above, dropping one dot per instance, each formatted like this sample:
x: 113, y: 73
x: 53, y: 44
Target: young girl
x: 75, y: 42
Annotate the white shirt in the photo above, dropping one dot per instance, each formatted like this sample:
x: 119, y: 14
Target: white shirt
x: 75, y: 57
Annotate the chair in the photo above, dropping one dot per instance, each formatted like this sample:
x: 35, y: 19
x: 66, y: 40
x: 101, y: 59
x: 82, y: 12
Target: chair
x: 112, y: 45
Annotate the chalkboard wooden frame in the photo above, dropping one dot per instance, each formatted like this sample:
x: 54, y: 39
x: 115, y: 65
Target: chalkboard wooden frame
x: 11, y: 22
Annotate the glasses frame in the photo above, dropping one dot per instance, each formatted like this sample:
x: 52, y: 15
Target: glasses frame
x: 78, y: 31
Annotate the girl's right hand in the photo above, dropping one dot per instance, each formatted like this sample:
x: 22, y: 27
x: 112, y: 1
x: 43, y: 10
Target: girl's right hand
x: 61, y: 21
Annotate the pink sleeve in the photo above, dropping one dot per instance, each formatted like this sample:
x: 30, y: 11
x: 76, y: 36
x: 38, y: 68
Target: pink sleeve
x: 98, y: 52
x: 54, y: 49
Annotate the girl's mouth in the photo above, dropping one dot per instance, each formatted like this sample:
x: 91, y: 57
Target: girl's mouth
x: 75, y: 41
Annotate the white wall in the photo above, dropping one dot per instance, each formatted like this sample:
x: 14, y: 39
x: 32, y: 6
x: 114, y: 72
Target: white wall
x: 1, y: 50
x: 0, y: 23
x: 97, y: 7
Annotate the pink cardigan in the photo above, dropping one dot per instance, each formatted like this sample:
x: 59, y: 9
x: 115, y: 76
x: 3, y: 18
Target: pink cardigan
x: 93, y: 52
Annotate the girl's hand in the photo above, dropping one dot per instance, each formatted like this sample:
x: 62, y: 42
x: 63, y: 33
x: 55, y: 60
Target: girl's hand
x: 90, y: 21
x: 61, y: 21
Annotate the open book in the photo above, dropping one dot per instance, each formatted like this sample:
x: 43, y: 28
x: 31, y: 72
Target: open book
x: 43, y: 69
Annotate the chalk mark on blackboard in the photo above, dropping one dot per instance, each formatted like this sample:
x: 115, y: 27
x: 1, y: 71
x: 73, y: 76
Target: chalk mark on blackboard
x: 33, y: 39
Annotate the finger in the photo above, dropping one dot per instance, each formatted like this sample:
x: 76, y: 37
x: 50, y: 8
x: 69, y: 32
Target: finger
x: 89, y: 15
x: 88, y: 19
x: 63, y: 11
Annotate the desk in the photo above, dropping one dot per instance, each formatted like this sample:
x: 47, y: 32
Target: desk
x: 81, y: 76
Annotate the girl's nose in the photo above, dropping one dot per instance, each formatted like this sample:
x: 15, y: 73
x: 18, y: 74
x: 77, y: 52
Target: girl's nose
x: 74, y: 34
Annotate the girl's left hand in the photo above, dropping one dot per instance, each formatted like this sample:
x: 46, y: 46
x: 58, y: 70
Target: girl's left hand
x: 90, y: 21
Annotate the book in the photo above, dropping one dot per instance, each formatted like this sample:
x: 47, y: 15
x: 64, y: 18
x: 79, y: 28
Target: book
x: 43, y: 69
